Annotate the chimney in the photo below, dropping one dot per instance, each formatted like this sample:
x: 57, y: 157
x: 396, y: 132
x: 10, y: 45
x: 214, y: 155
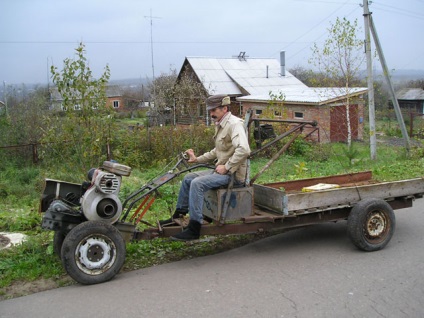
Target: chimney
x: 283, y: 63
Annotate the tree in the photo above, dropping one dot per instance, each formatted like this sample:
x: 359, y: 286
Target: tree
x: 180, y: 94
x: 418, y: 83
x: 21, y: 126
x: 80, y: 136
x: 190, y: 96
x: 135, y: 97
x: 306, y: 76
x: 163, y: 97
x: 340, y: 60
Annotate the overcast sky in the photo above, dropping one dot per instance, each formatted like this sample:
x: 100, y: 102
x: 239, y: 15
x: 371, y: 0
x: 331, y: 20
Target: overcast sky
x: 38, y: 33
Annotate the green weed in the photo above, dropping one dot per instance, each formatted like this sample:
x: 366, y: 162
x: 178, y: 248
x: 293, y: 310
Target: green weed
x: 29, y: 261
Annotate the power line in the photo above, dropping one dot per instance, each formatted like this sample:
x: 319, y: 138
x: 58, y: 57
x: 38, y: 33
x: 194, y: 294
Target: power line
x: 323, y: 34
x: 315, y: 26
x: 400, y: 11
x: 147, y: 42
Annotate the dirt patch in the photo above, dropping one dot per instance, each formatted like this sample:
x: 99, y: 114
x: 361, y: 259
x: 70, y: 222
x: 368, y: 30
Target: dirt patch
x: 18, y: 289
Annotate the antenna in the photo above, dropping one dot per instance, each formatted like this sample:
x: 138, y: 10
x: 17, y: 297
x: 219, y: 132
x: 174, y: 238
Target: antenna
x: 151, y: 17
x: 242, y: 56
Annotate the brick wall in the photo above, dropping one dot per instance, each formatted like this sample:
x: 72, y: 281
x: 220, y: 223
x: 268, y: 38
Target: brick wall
x: 320, y: 114
x: 110, y: 102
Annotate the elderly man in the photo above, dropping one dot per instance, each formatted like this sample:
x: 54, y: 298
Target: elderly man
x: 230, y: 156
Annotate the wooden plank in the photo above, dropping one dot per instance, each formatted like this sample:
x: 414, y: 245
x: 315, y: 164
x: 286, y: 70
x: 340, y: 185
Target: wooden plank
x: 297, y: 185
x: 351, y: 195
x: 270, y: 198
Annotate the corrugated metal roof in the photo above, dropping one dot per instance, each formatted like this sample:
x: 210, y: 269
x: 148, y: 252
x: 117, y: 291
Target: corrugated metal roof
x: 258, y: 77
x: 307, y: 95
x: 410, y: 94
x: 213, y: 76
x: 226, y: 75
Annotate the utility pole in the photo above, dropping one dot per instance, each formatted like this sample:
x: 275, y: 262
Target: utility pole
x: 390, y: 84
x: 396, y: 106
x: 370, y: 81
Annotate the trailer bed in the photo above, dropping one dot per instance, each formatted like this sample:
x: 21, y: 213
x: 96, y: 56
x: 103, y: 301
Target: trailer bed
x: 290, y: 199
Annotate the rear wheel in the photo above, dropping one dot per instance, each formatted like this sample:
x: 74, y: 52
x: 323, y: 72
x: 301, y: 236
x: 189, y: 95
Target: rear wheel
x: 371, y: 224
x: 93, y: 252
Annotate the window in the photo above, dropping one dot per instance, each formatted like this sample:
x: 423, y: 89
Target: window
x: 116, y: 104
x: 258, y: 111
x: 200, y: 110
x: 298, y: 115
x: 277, y: 113
x: 77, y: 107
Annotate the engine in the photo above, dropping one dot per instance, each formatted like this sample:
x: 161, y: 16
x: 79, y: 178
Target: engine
x: 100, y: 201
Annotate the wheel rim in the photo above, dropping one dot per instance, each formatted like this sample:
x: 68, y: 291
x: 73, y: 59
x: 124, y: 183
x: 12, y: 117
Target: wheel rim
x: 376, y: 227
x: 95, y: 254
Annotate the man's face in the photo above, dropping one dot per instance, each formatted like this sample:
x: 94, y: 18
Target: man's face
x: 217, y: 113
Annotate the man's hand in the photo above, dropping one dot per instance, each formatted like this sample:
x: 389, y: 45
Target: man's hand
x: 221, y: 169
x: 191, y: 156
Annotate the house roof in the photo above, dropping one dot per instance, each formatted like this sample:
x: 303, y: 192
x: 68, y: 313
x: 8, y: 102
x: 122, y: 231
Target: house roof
x: 410, y: 94
x: 252, y: 79
x: 234, y: 76
x: 111, y: 91
x: 308, y: 95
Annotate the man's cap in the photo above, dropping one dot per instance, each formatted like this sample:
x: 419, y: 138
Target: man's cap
x: 215, y: 101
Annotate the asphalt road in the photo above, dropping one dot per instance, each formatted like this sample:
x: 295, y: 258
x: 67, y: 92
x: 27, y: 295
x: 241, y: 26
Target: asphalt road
x: 311, y: 272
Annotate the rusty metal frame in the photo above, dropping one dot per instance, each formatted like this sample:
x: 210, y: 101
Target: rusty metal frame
x: 299, y: 127
x: 265, y: 222
x: 296, y: 130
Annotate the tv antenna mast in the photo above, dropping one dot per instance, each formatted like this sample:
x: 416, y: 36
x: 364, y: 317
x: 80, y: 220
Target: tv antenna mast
x: 151, y: 17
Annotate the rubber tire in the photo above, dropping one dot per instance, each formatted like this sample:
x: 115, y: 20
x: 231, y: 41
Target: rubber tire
x: 58, y: 239
x: 360, y: 219
x: 101, y: 233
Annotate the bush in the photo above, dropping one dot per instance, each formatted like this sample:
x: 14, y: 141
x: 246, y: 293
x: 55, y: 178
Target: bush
x: 299, y: 147
x: 318, y: 153
x: 146, y: 147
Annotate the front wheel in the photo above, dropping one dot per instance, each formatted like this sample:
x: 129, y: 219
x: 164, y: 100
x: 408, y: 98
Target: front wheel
x: 371, y: 224
x: 93, y: 252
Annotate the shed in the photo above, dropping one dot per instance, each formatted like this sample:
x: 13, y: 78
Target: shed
x: 411, y: 99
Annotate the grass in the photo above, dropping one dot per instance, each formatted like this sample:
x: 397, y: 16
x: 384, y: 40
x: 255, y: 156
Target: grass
x: 34, y: 260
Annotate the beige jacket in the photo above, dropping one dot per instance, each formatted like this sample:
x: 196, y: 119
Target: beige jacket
x: 231, y: 147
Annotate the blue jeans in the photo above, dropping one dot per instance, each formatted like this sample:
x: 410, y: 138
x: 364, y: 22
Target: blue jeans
x: 193, y: 188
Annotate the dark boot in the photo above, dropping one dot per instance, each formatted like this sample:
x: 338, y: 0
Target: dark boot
x: 177, y: 214
x: 192, y: 232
